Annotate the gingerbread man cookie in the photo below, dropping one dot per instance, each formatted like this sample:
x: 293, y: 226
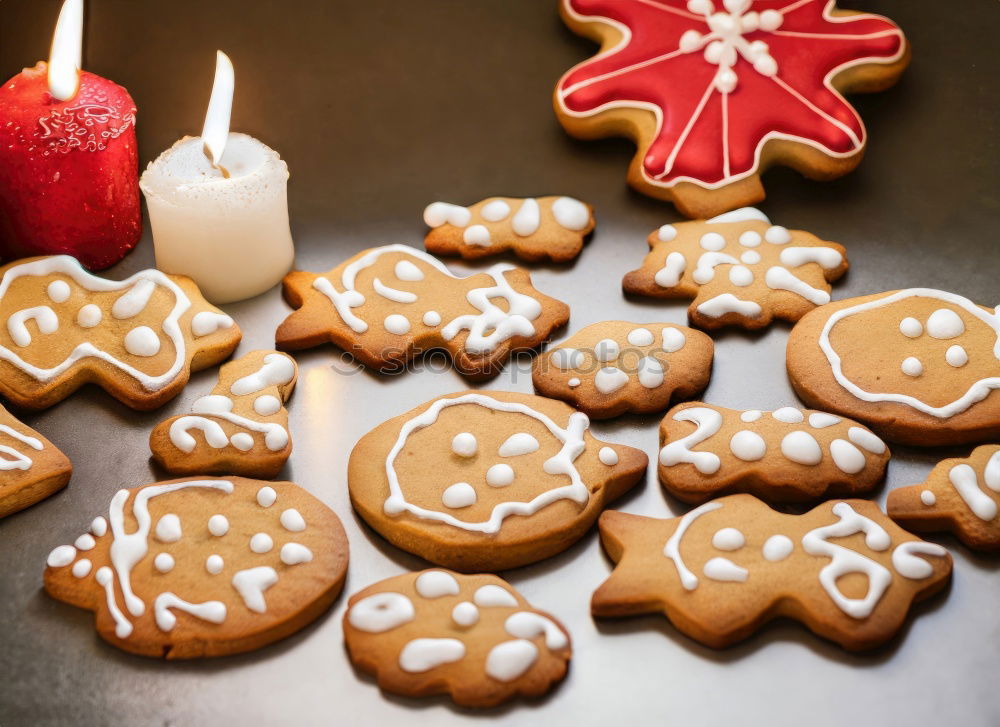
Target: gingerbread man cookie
x: 203, y: 567
x: 785, y: 455
x: 390, y: 304
x: 713, y: 92
x: 472, y: 637
x: 240, y: 428
x: 726, y: 568
x: 961, y: 496
x: 611, y: 368
x: 739, y: 268
x: 138, y: 339
x: 919, y: 366
x: 486, y: 481
x: 31, y: 468
x: 543, y: 228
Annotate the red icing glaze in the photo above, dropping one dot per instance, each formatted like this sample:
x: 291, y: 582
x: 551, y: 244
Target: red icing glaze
x: 710, y: 129
x: 68, y: 170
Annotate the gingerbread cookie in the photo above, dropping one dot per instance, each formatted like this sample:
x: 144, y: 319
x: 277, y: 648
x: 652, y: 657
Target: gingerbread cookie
x: 31, y: 468
x: 726, y: 568
x: 961, y: 496
x: 389, y: 304
x: 786, y: 455
x: 472, y: 637
x: 615, y: 367
x: 919, y: 366
x: 543, y: 228
x: 714, y: 93
x: 485, y: 481
x: 739, y: 268
x: 203, y: 567
x: 138, y: 339
x: 240, y: 428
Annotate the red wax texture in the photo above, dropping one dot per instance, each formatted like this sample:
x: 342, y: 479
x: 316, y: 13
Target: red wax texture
x: 69, y: 170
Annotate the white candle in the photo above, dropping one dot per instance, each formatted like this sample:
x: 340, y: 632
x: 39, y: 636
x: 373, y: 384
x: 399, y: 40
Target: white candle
x: 218, y: 206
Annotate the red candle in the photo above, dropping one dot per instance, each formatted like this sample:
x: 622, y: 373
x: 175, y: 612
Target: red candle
x: 68, y: 169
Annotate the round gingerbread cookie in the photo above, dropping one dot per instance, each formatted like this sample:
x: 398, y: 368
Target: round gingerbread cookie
x: 472, y: 637
x: 714, y: 92
x: 485, y: 481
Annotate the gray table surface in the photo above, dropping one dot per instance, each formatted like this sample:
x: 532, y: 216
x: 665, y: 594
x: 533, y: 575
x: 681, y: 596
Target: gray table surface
x: 382, y: 106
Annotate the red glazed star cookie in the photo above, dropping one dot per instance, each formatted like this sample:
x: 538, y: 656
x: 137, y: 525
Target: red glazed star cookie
x: 388, y: 305
x: 739, y: 268
x: 961, y: 496
x: 203, y: 567
x: 785, y: 455
x: 31, y: 468
x: 726, y: 568
x: 241, y: 428
x: 486, y: 481
x: 472, y: 637
x: 139, y: 339
x: 714, y: 92
x: 615, y: 367
x: 546, y: 228
x: 919, y: 366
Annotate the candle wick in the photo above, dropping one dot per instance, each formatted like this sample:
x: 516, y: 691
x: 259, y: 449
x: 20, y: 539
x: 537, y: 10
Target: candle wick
x: 207, y: 151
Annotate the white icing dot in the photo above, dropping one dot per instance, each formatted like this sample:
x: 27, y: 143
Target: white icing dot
x: 168, y: 529
x: 788, y: 415
x: 751, y: 415
x: 292, y: 520
x: 712, y: 241
x: 294, y: 554
x: 432, y: 318
x: 61, y: 556
x: 573, y: 383
x: 465, y: 614
x: 750, y: 238
x: 750, y: 257
x: 424, y: 654
x: 476, y: 235
x: 650, y: 372
x: 673, y: 340
x: 142, y: 341
x: 461, y: 494
x: 495, y: 210
x: 527, y: 219
x: 510, y: 659
x: 518, y: 444
x: 397, y: 324
x: 607, y: 456
x: 218, y: 525
x: 777, y: 547
x: 261, y: 543
x: 777, y: 235
x: 81, y: 568
x: 164, y: 562
x: 606, y: 350
x: 740, y: 276
x: 567, y: 358
x: 748, y: 446
x: 266, y: 496
x: 956, y: 356
x: 911, y: 366
x: 436, y: 584
x: 864, y: 438
x: 206, y: 322
x: 405, y: 270
x: 801, y: 447
x: 85, y: 542
x: 214, y: 564
x: 266, y: 405
x: 723, y: 569
x: 242, y: 441
x: 99, y: 526
x: 500, y: 475
x: 464, y: 444
x: 492, y: 596
x: 928, y: 498
x: 728, y: 539
x: 822, y: 420
x: 666, y: 233
x: 846, y: 456
x: 945, y: 323
x: 910, y: 327
x: 640, y: 337
x: 610, y: 379
x: 571, y: 213
x: 58, y: 291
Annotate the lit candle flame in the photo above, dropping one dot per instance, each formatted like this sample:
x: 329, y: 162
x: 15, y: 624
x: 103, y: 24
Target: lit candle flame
x: 215, y: 133
x: 66, y: 58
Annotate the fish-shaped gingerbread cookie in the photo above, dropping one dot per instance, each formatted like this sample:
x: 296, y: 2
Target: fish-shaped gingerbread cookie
x: 391, y: 304
x: 203, y: 566
x: 138, y: 338
x: 729, y: 566
x: 785, y: 455
x: 31, y: 468
x: 919, y: 366
x: 960, y: 496
x: 240, y: 428
x: 472, y: 637
x: 487, y: 480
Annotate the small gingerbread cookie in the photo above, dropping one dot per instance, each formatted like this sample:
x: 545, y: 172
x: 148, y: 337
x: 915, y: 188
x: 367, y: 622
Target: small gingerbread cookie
x: 138, y: 339
x: 388, y: 305
x: 961, y: 496
x: 919, y: 366
x: 486, y: 481
x: 611, y: 368
x: 241, y: 428
x: 472, y: 637
x: 739, y: 268
x: 713, y: 92
x: 726, y: 568
x: 785, y: 455
x: 31, y: 468
x: 203, y: 567
x: 543, y: 228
